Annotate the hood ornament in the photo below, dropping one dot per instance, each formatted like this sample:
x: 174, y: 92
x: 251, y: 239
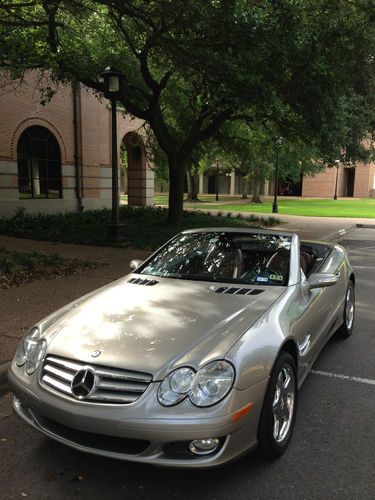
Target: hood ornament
x: 96, y: 354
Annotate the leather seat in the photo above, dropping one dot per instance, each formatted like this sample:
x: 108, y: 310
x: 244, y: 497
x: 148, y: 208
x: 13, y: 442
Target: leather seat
x: 239, y: 264
x: 305, y: 262
x: 226, y: 263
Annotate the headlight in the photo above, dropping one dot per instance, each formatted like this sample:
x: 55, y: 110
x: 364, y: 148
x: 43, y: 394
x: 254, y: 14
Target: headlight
x: 176, y: 386
x: 205, y: 388
x: 212, y: 383
x: 31, y: 351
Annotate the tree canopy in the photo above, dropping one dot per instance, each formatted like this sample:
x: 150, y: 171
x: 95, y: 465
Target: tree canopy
x: 305, y: 67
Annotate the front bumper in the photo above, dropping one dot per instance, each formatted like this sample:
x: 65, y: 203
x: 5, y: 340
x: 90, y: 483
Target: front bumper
x: 143, y: 431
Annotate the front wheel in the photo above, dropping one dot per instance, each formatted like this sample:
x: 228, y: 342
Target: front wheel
x: 347, y: 327
x: 278, y: 414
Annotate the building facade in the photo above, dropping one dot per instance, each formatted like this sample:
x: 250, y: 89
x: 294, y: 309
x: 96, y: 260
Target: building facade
x: 57, y: 157
x: 355, y: 182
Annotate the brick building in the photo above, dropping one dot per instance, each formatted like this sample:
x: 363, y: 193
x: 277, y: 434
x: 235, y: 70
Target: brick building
x: 357, y: 182
x: 57, y: 157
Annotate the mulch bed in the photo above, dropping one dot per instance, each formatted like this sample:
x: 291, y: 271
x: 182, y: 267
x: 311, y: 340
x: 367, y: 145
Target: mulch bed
x: 18, y: 268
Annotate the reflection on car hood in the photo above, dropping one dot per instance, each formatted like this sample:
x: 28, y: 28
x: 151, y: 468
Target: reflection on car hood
x: 154, y: 328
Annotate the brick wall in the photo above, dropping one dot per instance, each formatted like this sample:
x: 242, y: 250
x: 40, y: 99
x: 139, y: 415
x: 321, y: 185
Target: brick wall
x: 364, y: 180
x: 323, y: 183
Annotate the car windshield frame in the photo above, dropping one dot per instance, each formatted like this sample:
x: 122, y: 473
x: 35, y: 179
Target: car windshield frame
x: 246, y: 258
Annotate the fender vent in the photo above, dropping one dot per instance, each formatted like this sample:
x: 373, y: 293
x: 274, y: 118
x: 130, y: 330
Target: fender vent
x: 142, y: 281
x: 238, y: 291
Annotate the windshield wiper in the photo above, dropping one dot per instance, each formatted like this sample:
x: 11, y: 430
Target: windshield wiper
x: 191, y: 277
x: 196, y: 277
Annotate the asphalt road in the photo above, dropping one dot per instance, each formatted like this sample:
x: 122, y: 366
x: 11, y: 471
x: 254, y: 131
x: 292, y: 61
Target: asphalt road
x: 331, y: 454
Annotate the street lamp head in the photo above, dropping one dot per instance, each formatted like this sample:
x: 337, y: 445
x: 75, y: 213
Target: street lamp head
x: 113, y: 83
x: 278, y: 142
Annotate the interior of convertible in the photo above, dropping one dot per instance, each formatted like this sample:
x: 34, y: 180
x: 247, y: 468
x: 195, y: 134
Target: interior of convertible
x: 261, y: 259
x: 312, y: 256
x: 230, y: 257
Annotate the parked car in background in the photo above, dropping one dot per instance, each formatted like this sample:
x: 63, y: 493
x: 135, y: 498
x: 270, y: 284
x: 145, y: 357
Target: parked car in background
x: 286, y: 188
x: 195, y: 357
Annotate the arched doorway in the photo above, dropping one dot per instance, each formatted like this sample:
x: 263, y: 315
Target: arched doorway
x: 39, y: 164
x: 140, y: 178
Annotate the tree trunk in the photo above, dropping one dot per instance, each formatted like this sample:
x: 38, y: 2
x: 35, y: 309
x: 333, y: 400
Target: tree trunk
x: 256, y: 191
x: 192, y: 183
x: 176, y: 190
x: 244, y: 187
x: 195, y: 177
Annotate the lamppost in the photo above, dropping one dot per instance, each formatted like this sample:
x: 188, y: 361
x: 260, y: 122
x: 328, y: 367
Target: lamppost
x: 113, y: 84
x: 278, y: 143
x: 337, y: 177
x: 217, y: 178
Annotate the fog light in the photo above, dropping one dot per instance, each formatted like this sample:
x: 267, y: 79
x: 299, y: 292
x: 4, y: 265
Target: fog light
x: 203, y: 446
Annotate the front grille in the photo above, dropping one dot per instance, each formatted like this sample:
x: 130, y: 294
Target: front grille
x: 127, y: 446
x: 111, y: 385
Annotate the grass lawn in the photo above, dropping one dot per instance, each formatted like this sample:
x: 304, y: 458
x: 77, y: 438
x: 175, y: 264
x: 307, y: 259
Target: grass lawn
x: 17, y: 268
x: 318, y: 207
x: 344, y: 207
x: 144, y: 227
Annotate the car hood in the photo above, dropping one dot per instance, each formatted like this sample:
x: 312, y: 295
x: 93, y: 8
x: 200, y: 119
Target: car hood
x: 154, y: 328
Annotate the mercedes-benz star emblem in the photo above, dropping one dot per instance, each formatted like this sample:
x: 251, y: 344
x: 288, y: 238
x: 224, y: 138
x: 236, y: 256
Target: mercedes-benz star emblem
x: 83, y: 383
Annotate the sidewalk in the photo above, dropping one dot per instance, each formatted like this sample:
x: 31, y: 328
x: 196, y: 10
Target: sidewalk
x: 21, y: 307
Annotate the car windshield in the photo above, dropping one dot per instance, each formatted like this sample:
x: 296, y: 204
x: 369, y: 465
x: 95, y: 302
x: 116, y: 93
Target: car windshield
x: 249, y: 258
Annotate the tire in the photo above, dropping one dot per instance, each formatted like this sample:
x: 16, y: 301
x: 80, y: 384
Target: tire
x: 346, y: 329
x: 273, y: 438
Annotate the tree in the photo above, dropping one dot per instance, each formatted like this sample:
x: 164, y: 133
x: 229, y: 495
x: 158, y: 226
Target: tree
x: 250, y: 150
x: 160, y: 48
x: 192, y: 65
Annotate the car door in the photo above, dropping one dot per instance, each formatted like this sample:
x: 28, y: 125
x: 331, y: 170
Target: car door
x: 317, y: 310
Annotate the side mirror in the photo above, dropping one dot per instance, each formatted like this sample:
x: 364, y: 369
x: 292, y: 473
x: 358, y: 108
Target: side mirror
x: 321, y: 281
x: 135, y: 263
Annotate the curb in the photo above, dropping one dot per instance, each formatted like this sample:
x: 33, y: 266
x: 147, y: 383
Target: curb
x: 3, y: 376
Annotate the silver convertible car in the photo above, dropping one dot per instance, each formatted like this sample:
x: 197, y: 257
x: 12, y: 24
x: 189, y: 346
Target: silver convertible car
x: 195, y: 357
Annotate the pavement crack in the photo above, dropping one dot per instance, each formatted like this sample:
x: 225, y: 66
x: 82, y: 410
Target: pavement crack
x: 2, y: 419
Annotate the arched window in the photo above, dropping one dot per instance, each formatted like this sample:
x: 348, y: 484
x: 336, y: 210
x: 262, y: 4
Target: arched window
x: 39, y: 164
x: 137, y: 152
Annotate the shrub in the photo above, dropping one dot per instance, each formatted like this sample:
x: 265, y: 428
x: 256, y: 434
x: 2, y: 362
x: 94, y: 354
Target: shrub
x: 144, y: 227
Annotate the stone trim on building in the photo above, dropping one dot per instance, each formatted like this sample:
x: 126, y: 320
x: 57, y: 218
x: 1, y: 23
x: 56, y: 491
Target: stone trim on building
x: 29, y: 122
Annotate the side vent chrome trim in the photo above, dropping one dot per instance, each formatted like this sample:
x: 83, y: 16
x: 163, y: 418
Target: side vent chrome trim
x: 304, y: 345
